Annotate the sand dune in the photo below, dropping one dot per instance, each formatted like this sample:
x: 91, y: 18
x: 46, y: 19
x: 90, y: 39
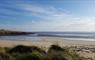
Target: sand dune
x: 84, y: 48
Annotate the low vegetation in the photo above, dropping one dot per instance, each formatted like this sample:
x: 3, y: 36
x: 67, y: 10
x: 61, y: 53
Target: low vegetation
x: 22, y: 52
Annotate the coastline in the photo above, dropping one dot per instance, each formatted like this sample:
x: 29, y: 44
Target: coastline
x: 46, y: 42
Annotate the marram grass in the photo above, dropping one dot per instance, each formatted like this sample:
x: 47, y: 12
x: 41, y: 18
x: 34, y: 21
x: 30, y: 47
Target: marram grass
x: 55, y: 52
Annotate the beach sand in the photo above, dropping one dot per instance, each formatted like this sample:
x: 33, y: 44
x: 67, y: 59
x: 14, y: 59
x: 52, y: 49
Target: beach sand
x: 84, y: 48
x: 46, y: 42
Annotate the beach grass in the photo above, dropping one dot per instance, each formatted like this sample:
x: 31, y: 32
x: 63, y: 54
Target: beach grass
x: 54, y: 52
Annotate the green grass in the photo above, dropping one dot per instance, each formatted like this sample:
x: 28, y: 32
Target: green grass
x: 55, y: 52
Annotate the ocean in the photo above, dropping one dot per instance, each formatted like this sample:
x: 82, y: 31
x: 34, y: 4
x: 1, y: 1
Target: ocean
x: 89, y: 36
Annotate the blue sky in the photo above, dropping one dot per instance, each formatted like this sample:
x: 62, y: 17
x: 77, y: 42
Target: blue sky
x: 47, y: 15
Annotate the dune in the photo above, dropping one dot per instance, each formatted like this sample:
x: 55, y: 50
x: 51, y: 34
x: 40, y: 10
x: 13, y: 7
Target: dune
x: 84, y: 48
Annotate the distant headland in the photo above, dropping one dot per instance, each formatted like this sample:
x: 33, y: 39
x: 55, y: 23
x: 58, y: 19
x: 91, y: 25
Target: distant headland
x: 4, y: 32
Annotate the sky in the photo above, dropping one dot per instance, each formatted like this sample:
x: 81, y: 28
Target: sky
x: 48, y: 15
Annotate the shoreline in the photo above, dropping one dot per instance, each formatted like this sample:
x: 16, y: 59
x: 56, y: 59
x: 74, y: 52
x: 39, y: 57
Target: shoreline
x: 46, y: 42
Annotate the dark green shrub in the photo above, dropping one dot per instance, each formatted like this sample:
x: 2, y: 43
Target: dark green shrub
x: 25, y: 49
x: 20, y: 49
x: 55, y: 48
x: 33, y: 56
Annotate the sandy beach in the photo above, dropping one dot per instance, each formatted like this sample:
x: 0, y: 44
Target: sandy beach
x: 83, y: 48
x: 46, y: 42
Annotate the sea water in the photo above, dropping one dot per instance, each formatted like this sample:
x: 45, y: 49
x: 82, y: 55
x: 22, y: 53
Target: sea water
x: 66, y: 35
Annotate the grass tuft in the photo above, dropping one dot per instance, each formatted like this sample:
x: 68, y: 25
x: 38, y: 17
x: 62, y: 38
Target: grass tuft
x: 22, y: 52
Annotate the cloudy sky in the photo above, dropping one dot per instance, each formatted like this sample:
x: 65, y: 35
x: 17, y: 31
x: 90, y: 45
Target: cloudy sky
x: 47, y: 15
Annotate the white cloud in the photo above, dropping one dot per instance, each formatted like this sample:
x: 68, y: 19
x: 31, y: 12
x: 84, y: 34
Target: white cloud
x: 57, y: 19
